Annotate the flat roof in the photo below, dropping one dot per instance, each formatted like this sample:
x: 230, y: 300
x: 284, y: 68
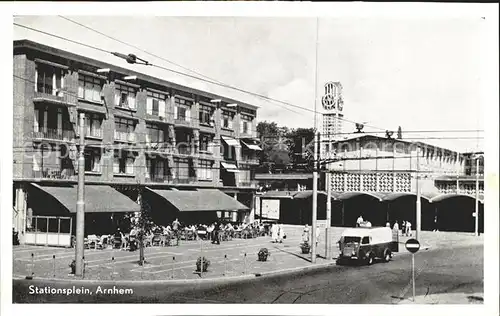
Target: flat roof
x: 31, y: 45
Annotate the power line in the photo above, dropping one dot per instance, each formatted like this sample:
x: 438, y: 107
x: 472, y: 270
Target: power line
x: 209, y: 81
x: 63, y: 38
x: 135, y: 47
x: 205, y: 80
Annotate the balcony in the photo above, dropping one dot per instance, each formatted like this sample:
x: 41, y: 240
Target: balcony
x: 125, y: 137
x: 54, y: 134
x: 60, y: 99
x: 155, y: 178
x: 250, y: 160
x: 183, y: 180
x: 248, y: 184
x: 183, y: 122
x: 66, y: 174
x: 160, y: 148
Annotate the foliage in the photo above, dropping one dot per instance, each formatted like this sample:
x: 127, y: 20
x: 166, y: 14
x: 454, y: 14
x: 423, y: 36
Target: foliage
x: 305, y: 247
x: 285, y: 148
x: 206, y: 263
x: 263, y: 254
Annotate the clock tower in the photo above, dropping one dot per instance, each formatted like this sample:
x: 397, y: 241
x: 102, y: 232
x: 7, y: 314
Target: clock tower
x: 333, y: 107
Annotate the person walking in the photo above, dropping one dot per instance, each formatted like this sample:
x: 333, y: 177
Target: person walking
x: 318, y: 233
x: 403, y: 228
x: 408, y: 228
x: 281, y: 233
x: 274, y: 233
x: 305, y: 234
x: 215, y: 239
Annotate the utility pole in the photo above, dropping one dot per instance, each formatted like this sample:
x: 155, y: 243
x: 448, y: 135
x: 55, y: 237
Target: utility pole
x: 328, y: 187
x: 315, y: 168
x: 477, y: 198
x: 418, y: 204
x: 80, y: 203
x: 315, y: 199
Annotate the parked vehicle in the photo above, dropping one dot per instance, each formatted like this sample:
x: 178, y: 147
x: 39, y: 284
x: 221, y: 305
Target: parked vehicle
x: 366, y: 244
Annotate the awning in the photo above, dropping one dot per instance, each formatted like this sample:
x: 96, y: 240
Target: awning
x: 229, y: 167
x: 201, y: 200
x: 349, y: 195
x: 98, y: 198
x: 230, y: 141
x: 250, y: 144
x: 446, y: 196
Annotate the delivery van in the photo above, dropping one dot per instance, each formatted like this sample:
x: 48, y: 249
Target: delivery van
x: 365, y: 245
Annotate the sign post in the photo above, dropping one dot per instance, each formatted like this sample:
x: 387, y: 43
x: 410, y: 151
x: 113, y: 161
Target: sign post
x: 412, y: 245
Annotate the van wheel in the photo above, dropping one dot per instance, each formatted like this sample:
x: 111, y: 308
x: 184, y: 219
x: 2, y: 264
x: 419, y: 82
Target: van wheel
x: 387, y: 255
x: 370, y: 259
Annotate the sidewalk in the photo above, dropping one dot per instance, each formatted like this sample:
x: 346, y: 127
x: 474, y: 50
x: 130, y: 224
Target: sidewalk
x: 236, y: 258
x: 447, y: 298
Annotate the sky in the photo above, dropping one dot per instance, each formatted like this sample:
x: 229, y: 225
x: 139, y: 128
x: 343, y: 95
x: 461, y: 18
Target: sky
x: 420, y: 74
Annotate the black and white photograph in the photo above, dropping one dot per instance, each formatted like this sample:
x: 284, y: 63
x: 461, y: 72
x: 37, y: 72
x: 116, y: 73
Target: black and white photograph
x: 335, y: 158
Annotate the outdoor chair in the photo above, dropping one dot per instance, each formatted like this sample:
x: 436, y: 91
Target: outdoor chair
x: 117, y: 242
x: 157, y: 240
x: 103, y: 242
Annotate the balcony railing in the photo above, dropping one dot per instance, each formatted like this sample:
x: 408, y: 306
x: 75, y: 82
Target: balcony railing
x: 183, y: 180
x: 51, y: 133
x: 97, y: 133
x: 54, y: 174
x: 158, y: 178
x: 125, y: 136
x: 250, y: 160
x: 250, y: 184
x: 60, y: 98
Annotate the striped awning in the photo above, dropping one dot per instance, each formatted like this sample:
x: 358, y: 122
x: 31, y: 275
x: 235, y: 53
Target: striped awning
x: 230, y: 141
x: 229, y: 167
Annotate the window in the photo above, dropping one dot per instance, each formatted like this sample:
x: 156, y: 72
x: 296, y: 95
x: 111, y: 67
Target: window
x: 205, y: 169
x: 156, y: 169
x: 181, y: 167
x: 246, y: 124
x: 155, y: 134
x: 206, y: 115
x: 48, y: 79
x: 92, y: 160
x: 156, y: 104
x: 123, y: 165
x: 182, y: 109
x: 125, y: 96
x: 227, y: 120
x: 365, y: 241
x: 89, y: 88
x: 205, y: 142
x: 124, y: 129
x: 93, y: 124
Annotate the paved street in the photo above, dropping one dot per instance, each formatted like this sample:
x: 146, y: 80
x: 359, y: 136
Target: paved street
x: 455, y: 268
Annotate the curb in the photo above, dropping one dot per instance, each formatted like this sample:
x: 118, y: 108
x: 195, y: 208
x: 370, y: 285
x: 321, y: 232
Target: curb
x: 180, y: 281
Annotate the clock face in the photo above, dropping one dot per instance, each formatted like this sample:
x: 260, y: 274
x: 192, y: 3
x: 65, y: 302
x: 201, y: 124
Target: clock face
x: 328, y: 102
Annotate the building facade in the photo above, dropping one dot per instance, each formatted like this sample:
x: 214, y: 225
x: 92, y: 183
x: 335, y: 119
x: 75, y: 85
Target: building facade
x: 139, y: 130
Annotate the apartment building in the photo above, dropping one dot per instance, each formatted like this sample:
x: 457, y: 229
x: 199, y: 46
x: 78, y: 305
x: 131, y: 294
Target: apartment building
x: 140, y: 131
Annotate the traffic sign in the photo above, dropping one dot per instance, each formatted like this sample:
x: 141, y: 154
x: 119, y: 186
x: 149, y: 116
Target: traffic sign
x: 412, y: 245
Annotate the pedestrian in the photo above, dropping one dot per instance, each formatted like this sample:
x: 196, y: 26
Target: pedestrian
x: 274, y: 233
x: 305, y: 234
x: 359, y: 221
x: 403, y: 228
x: 318, y: 233
x: 281, y: 233
x: 215, y: 239
x: 396, y: 227
x: 387, y: 224
x: 408, y: 228
x: 435, y: 224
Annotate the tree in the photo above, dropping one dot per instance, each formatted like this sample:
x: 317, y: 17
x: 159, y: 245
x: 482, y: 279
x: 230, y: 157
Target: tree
x: 145, y: 225
x: 301, y: 147
x: 400, y: 133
